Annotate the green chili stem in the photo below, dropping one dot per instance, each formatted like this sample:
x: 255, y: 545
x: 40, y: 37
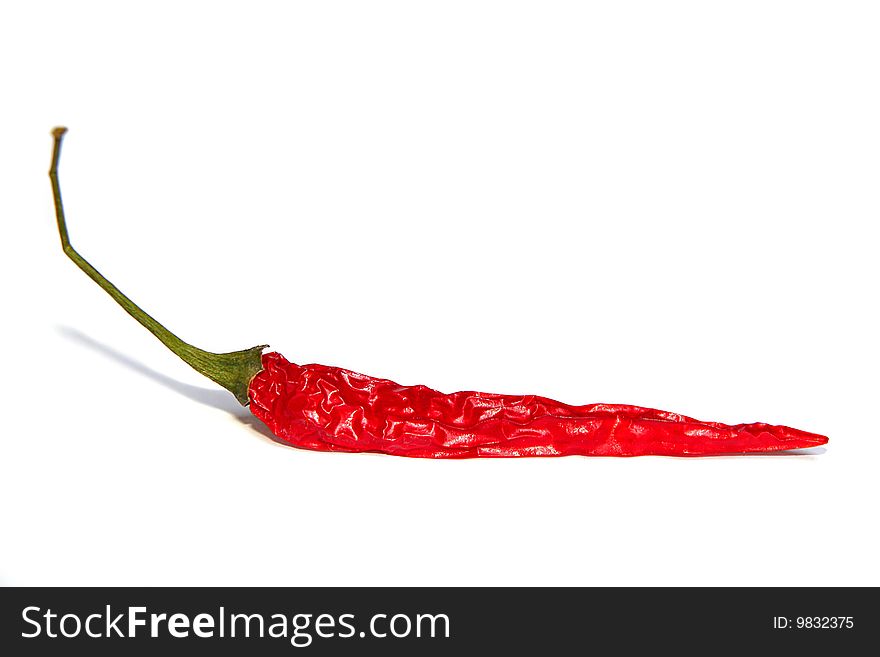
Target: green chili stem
x: 233, y: 370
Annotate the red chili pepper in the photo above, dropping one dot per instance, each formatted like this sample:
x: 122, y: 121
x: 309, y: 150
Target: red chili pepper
x: 331, y: 409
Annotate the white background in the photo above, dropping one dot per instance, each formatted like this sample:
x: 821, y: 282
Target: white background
x: 666, y: 204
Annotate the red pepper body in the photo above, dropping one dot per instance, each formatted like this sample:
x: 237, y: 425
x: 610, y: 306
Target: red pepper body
x: 331, y: 409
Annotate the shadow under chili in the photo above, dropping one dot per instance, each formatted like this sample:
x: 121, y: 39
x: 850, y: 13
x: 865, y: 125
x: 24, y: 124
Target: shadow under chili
x: 219, y: 399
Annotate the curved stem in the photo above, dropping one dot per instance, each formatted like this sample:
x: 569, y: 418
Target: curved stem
x: 233, y: 370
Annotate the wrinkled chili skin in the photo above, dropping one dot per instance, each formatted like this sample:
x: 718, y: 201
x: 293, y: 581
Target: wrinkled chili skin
x: 330, y: 409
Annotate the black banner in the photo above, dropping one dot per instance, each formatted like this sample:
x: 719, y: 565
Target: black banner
x: 111, y: 621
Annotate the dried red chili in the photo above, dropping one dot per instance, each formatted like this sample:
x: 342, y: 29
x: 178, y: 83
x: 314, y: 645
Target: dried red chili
x: 331, y: 409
